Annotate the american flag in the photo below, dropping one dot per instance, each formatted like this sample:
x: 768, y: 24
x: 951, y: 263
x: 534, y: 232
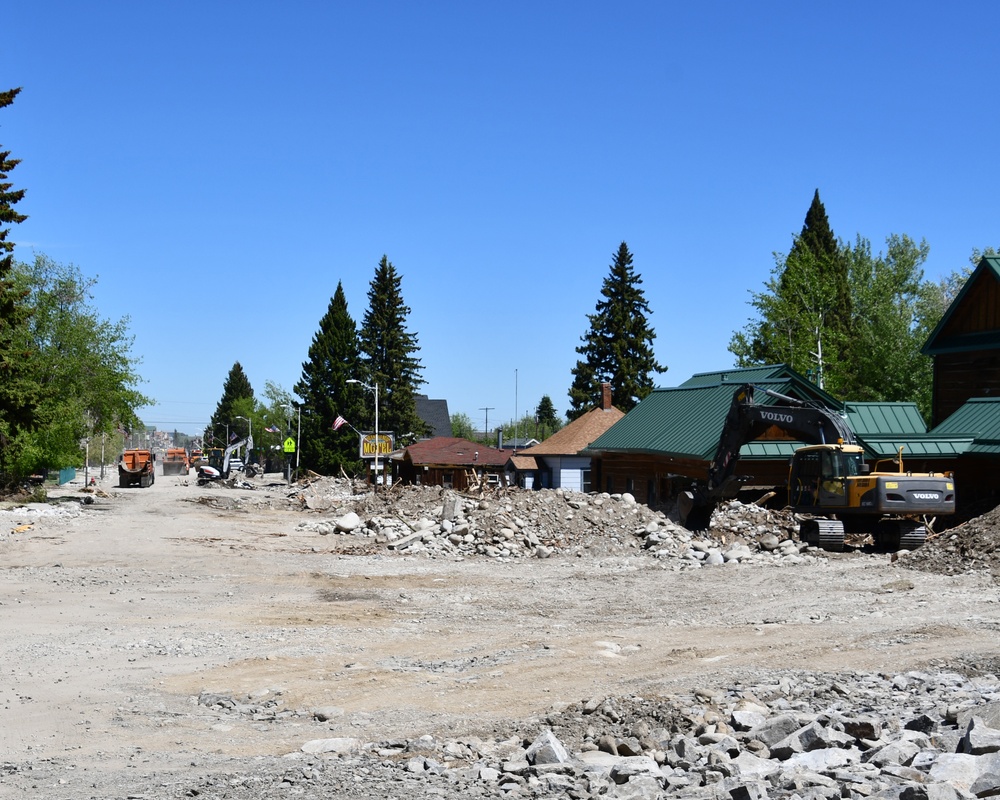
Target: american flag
x: 273, y: 429
x: 338, y: 422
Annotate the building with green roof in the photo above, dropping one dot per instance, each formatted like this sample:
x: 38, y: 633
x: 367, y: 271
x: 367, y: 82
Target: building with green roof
x: 671, y: 437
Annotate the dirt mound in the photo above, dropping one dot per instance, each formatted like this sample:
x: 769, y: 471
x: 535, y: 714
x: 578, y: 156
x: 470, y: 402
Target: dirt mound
x: 967, y: 548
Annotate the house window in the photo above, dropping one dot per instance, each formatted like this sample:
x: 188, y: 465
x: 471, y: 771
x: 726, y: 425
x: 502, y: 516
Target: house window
x: 448, y: 480
x: 629, y: 486
x: 585, y: 479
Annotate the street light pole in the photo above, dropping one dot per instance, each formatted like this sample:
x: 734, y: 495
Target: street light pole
x: 375, y: 389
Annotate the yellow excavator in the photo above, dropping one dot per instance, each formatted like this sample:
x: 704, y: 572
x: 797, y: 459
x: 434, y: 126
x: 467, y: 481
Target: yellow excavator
x: 829, y: 484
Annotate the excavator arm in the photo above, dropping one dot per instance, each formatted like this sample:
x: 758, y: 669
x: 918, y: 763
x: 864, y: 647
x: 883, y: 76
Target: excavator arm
x: 248, y: 443
x: 747, y: 420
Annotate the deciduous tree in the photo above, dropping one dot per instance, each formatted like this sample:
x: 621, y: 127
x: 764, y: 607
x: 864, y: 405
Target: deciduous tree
x: 86, y: 378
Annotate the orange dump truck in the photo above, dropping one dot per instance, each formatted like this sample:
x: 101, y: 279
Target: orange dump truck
x: 135, y: 468
x: 175, y: 462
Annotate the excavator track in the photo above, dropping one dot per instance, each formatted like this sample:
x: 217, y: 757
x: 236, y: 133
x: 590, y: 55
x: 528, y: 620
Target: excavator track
x: 827, y: 534
x: 900, y: 534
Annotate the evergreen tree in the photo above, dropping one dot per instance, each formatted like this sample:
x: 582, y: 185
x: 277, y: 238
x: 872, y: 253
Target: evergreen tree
x: 18, y: 392
x: 618, y: 349
x: 388, y: 356
x: 545, y: 417
x: 333, y: 360
x: 806, y: 319
x: 237, y: 399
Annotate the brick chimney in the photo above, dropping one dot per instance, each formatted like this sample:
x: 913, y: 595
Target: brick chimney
x: 606, y: 396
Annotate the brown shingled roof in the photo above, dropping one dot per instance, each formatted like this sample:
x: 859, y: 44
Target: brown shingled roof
x: 453, y: 452
x: 577, y: 435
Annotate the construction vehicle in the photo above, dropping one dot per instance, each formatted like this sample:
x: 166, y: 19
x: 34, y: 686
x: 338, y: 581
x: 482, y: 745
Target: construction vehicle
x: 135, y: 468
x: 197, y: 456
x: 830, y: 487
x: 220, y: 461
x: 175, y: 462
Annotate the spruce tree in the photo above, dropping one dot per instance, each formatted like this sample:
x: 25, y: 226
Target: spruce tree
x: 618, y: 348
x: 333, y: 360
x: 237, y: 387
x: 18, y: 390
x: 545, y: 416
x: 388, y: 356
x: 806, y: 317
x: 816, y: 244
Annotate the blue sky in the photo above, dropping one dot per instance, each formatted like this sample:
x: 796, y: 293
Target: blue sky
x: 220, y: 166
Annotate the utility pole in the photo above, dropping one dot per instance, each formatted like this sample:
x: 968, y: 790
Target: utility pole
x: 486, y: 425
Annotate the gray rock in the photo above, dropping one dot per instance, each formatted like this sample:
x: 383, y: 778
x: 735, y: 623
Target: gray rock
x: 348, y: 523
x: 980, y: 738
x: 547, y: 749
x: 340, y: 745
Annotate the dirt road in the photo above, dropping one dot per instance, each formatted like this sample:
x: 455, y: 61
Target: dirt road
x: 117, y: 618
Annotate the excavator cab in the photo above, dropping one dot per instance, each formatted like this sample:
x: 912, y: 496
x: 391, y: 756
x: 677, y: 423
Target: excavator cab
x: 818, y: 475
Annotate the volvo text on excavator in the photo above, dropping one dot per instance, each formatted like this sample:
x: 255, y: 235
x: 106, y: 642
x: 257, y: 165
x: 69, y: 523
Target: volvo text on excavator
x: 829, y: 484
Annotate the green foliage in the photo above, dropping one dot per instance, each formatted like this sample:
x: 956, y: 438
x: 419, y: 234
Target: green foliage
x: 805, y: 316
x: 85, y: 377
x: 388, y: 357
x: 333, y: 360
x: 883, y: 359
x: 18, y: 392
x: 618, y: 348
x: 853, y: 319
x: 546, y: 420
x: 236, y: 387
x: 461, y: 426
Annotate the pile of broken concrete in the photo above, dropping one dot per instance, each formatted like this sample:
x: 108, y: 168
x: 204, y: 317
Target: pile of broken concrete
x: 910, y: 736
x: 537, y: 524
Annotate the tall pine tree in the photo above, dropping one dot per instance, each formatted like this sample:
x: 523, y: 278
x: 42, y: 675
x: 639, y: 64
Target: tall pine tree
x: 236, y: 388
x: 333, y: 360
x: 618, y: 348
x: 18, y: 391
x: 806, y: 319
x: 388, y: 356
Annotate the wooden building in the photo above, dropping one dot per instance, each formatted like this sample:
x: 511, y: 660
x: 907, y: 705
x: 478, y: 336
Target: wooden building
x: 965, y: 345
x: 450, y: 462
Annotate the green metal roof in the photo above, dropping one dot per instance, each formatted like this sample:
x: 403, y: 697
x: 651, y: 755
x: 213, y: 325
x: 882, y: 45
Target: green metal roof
x: 685, y: 421
x: 978, y: 419
x: 936, y: 343
x: 735, y: 375
x: 882, y: 418
x: 915, y: 446
x: 979, y: 416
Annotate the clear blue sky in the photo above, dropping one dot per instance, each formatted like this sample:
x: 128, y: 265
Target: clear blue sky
x: 220, y: 166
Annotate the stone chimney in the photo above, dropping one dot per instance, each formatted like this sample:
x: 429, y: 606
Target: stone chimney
x: 606, y: 396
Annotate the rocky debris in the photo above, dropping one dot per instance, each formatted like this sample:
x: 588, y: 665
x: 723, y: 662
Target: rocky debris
x: 966, y: 548
x: 777, y: 736
x: 538, y: 524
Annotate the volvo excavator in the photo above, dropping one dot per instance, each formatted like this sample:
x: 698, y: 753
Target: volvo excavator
x: 830, y: 486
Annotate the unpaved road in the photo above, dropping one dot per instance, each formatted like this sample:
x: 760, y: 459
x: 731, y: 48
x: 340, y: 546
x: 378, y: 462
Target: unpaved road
x: 116, y: 619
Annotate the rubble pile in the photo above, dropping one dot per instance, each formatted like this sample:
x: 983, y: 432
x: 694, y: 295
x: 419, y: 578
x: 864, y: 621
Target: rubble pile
x: 779, y: 735
x: 966, y: 548
x: 521, y: 524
